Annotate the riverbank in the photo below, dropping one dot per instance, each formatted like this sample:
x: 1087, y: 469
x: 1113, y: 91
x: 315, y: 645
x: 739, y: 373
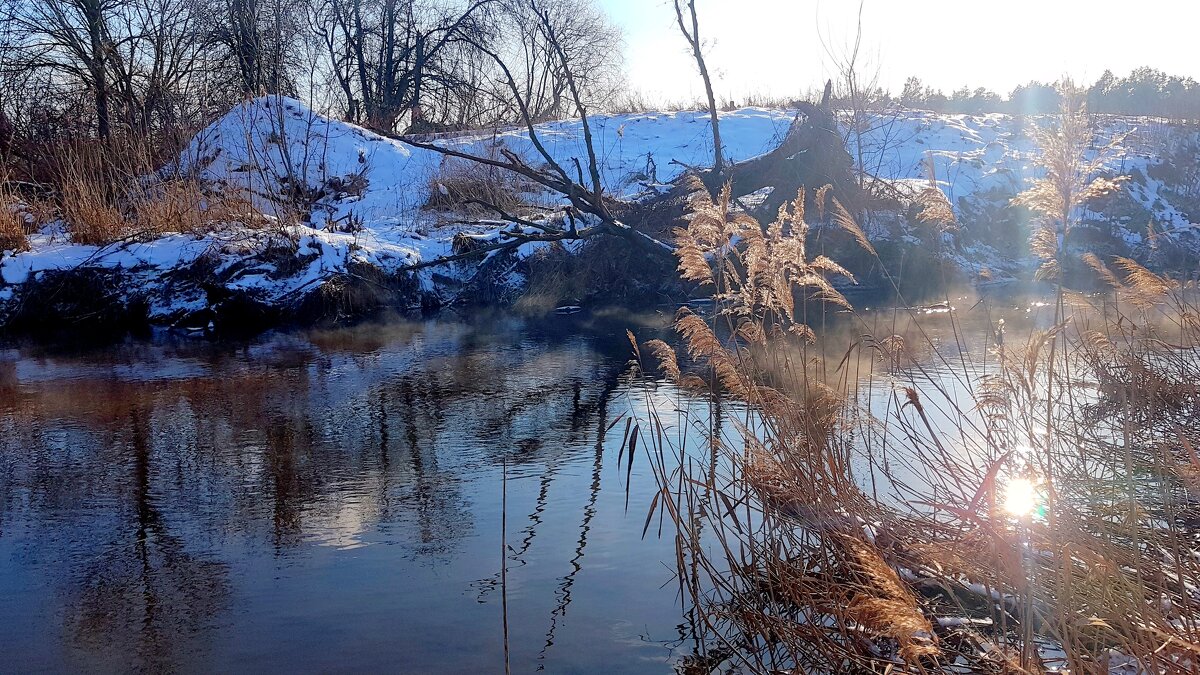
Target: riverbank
x: 318, y: 221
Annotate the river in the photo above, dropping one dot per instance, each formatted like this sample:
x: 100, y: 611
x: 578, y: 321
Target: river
x: 338, y: 500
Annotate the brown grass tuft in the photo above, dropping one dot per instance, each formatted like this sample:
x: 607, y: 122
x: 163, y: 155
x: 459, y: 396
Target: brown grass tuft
x: 1101, y: 270
x: 667, y: 362
x: 936, y: 209
x: 1144, y: 283
x: 180, y: 205
x: 15, y: 223
x: 90, y: 214
x: 843, y: 219
x: 473, y: 188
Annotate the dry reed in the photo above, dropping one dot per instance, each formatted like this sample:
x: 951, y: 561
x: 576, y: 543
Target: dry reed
x: 104, y: 200
x: 1041, y: 519
x: 14, y: 223
x: 475, y: 188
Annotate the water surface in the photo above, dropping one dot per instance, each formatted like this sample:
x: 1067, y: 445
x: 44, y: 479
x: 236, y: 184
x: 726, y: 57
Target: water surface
x: 332, y: 500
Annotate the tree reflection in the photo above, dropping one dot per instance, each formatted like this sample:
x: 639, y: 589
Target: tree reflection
x: 285, y: 447
x: 143, y: 598
x: 157, y: 471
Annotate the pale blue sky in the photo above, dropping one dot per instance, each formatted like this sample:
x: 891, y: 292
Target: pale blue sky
x: 775, y: 46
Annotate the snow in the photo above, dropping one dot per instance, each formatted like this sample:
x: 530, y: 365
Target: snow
x: 975, y: 154
x: 266, y: 147
x: 285, y: 141
x: 55, y: 254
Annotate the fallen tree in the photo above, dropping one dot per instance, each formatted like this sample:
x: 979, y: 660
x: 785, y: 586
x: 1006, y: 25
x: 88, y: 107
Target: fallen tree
x: 586, y: 243
x: 810, y: 155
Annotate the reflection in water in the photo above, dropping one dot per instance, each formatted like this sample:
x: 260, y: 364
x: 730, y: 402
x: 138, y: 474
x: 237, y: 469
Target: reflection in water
x: 145, y: 592
x: 331, y: 500
x: 563, y: 592
x: 325, y: 501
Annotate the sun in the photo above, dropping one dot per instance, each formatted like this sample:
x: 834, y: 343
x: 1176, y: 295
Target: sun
x: 1020, y: 497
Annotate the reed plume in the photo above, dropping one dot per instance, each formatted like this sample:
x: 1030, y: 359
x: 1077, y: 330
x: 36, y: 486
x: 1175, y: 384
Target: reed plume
x: 829, y: 536
x: 1073, y: 177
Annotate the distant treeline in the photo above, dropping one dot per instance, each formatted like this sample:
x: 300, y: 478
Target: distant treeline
x: 1145, y: 91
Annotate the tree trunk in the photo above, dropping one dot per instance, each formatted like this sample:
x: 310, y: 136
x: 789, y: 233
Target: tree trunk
x: 102, y: 108
x: 812, y: 155
x: 693, y: 38
x: 718, y: 150
x: 98, y: 65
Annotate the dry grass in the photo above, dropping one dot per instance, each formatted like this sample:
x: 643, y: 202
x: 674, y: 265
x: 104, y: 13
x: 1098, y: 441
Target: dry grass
x: 181, y: 205
x: 89, y: 208
x: 1071, y: 179
x: 825, y: 535
x: 104, y: 200
x: 14, y: 223
x: 12, y: 230
x: 474, y: 188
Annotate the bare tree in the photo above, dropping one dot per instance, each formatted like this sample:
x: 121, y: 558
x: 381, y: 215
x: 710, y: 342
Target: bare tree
x: 872, y: 127
x: 583, y: 34
x: 258, y: 39
x: 153, y: 74
x: 388, y: 56
x: 692, y: 35
x: 75, y: 40
x: 588, y: 211
x: 133, y: 60
x: 857, y: 90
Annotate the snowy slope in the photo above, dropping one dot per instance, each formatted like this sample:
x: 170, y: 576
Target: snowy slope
x: 268, y: 141
x: 974, y: 155
x: 367, y: 192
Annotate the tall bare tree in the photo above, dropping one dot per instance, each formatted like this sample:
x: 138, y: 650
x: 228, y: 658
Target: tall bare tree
x: 153, y: 73
x: 75, y: 40
x: 583, y: 34
x: 135, y: 61
x: 689, y: 25
x: 258, y: 39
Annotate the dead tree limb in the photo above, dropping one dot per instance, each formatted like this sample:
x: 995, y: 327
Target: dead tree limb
x: 693, y: 38
x: 509, y: 239
x: 584, y: 202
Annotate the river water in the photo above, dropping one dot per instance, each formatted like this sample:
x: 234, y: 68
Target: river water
x: 330, y: 501
x: 336, y: 501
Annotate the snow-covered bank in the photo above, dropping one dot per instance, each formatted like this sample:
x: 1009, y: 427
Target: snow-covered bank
x: 343, y: 205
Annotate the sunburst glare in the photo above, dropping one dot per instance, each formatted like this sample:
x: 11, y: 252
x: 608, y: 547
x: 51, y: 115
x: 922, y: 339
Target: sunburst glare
x: 1020, y: 497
